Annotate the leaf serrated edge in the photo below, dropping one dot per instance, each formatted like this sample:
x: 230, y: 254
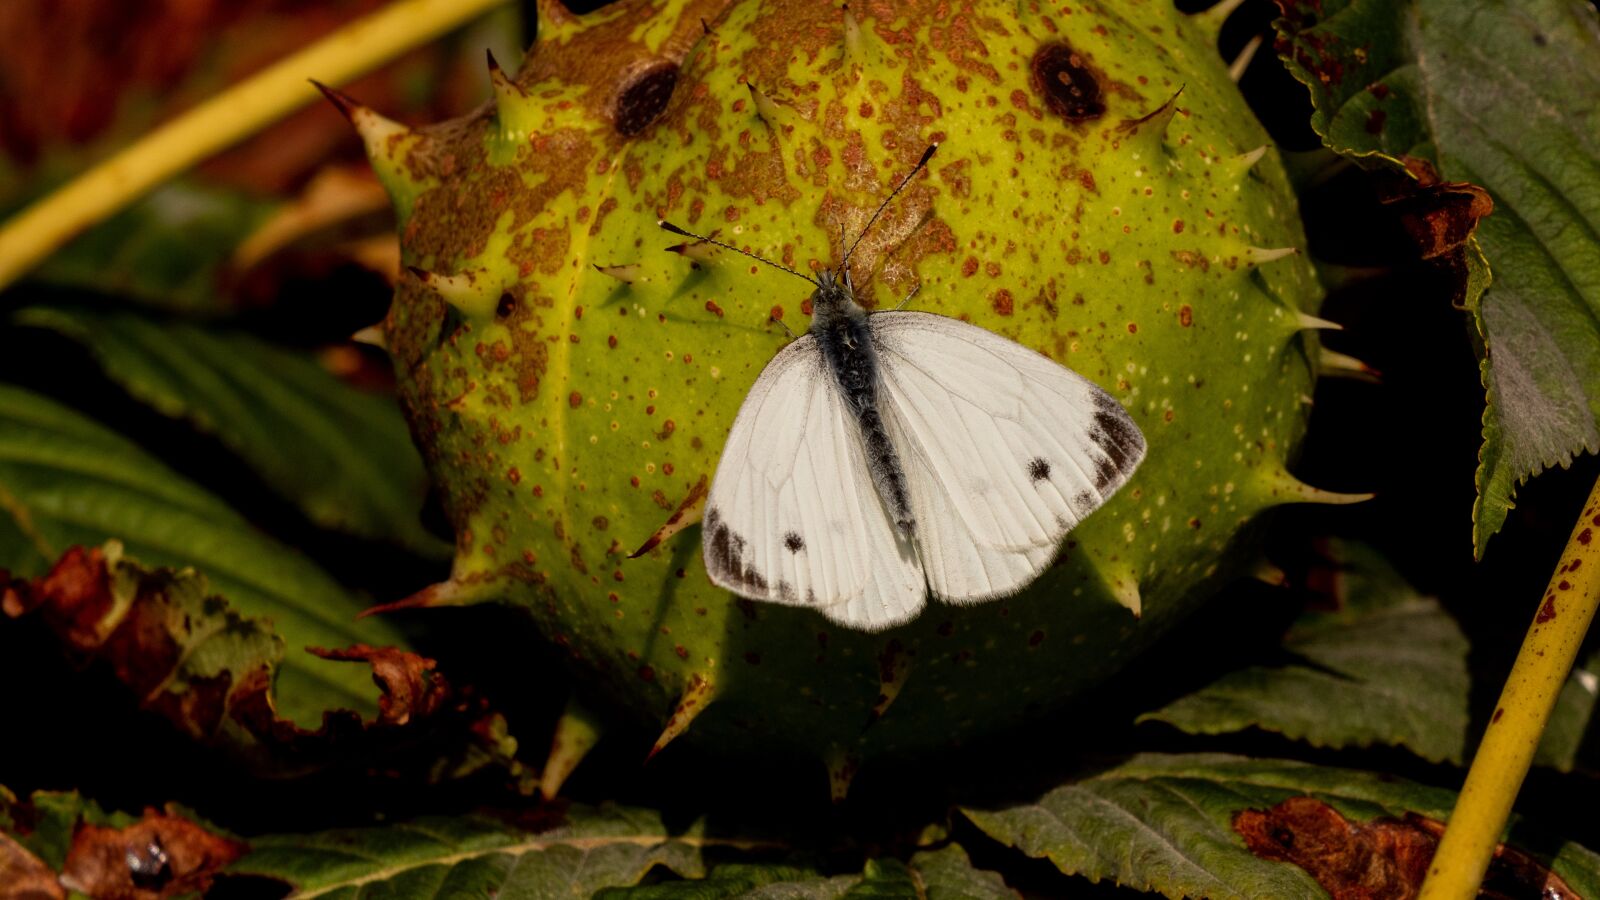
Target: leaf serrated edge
x: 518, y: 849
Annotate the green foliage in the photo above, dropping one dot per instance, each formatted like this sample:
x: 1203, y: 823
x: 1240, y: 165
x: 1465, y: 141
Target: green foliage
x: 1444, y: 81
x: 66, y: 481
x: 1388, y: 667
x: 170, y: 249
x: 601, y: 852
x: 452, y: 857
x: 343, y: 454
x: 948, y: 874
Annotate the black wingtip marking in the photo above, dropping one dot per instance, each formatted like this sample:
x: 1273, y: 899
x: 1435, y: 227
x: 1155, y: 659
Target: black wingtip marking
x: 1105, y: 472
x: 725, y: 555
x: 1118, y: 438
x: 794, y: 542
x: 1039, y: 469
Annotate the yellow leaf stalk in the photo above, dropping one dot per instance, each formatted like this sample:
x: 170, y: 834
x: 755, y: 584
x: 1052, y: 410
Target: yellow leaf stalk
x: 1530, y: 693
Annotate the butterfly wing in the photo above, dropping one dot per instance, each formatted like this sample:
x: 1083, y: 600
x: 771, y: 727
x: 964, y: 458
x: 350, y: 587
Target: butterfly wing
x: 793, y: 516
x: 1005, y: 449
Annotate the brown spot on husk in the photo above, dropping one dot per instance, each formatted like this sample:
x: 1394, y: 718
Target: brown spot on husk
x: 645, y: 99
x: 1068, y: 85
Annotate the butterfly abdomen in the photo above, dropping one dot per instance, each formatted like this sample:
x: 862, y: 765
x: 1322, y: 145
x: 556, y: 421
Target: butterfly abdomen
x: 847, y: 349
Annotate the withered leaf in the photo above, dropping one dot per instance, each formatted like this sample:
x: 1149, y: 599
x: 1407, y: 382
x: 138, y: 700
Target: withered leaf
x: 24, y: 876
x: 1385, y: 859
x: 1440, y: 216
x: 162, y: 855
x: 188, y: 656
x: 410, y: 684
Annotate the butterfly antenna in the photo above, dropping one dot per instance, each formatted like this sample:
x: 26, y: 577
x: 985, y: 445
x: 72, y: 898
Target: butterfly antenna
x: 926, y: 155
x: 668, y: 226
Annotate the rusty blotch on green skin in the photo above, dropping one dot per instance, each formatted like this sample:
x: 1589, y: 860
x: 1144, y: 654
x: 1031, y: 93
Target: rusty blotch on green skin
x: 1100, y: 194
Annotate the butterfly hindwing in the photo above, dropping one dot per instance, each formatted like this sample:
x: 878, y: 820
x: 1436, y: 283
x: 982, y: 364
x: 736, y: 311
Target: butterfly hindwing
x: 1005, y: 450
x: 793, y: 516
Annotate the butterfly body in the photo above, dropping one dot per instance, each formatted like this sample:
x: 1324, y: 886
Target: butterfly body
x: 844, y: 340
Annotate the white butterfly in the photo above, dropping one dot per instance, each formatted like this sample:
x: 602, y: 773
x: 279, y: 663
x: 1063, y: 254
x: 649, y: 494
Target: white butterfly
x: 882, y: 457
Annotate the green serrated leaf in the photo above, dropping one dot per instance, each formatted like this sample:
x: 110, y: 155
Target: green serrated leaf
x: 948, y: 874
x: 476, y: 856
x: 884, y: 879
x: 1165, y: 824
x: 1390, y: 667
x: 595, y: 852
x: 729, y: 880
x: 67, y: 481
x: 1498, y: 94
x: 342, y: 454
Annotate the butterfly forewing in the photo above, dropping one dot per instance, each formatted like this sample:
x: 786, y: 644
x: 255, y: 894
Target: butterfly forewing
x: 793, y: 516
x: 1005, y: 449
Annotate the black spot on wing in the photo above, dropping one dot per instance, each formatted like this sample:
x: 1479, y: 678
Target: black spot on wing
x: 1118, y: 438
x: 1039, y: 469
x: 725, y: 556
x: 794, y: 542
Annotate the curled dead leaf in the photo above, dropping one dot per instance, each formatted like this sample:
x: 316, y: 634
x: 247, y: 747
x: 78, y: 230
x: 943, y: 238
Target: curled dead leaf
x: 161, y: 855
x: 409, y: 683
x: 1440, y: 216
x: 24, y: 876
x: 1385, y: 859
x: 146, y: 625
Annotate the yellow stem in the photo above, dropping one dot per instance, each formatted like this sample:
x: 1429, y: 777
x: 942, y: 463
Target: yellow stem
x: 1514, y: 730
x: 363, y: 45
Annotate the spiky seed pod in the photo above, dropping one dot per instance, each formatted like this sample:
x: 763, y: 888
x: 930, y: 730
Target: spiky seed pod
x: 1101, y: 193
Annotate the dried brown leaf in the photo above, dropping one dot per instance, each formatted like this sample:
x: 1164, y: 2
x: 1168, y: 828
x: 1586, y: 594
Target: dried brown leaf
x: 1385, y: 859
x: 209, y: 671
x: 24, y: 876
x: 409, y: 683
x: 162, y: 855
